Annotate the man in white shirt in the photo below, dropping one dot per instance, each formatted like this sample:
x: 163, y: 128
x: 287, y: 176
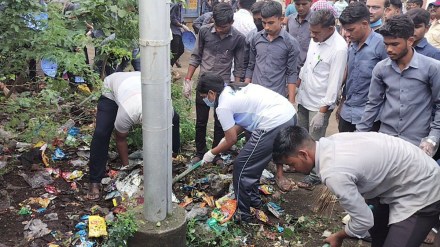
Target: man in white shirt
x: 320, y: 78
x: 398, y: 176
x: 119, y: 108
x: 243, y: 19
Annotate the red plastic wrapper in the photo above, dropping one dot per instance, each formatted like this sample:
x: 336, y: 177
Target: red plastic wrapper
x: 112, y: 173
x: 51, y: 189
x: 228, y: 210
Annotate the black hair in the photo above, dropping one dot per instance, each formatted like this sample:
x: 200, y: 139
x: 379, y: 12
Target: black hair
x: 256, y: 7
x: 300, y: 0
x: 396, y: 3
x: 356, y: 11
x: 246, y: 4
x: 210, y: 81
x: 399, y: 26
x: 288, y: 141
x: 324, y: 17
x: 223, y: 14
x: 418, y: 2
x: 271, y: 8
x: 419, y: 16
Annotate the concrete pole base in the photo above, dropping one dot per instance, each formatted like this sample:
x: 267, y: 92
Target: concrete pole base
x: 170, y: 233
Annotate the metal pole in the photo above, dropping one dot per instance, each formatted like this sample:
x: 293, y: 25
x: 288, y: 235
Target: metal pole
x: 154, y: 40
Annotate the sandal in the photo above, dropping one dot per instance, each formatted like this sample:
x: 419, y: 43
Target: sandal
x: 430, y: 237
x: 307, y: 186
x: 94, y: 193
x: 309, y: 183
x: 286, y: 185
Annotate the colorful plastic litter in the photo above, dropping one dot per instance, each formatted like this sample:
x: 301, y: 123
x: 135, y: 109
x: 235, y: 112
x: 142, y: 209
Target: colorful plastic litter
x: 71, y: 176
x: 24, y: 211
x: 97, y: 226
x: 266, y: 189
x: 260, y: 215
x: 275, y: 209
x: 51, y: 189
x: 58, y: 155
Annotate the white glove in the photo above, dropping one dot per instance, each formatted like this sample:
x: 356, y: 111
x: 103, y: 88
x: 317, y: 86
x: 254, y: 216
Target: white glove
x: 185, y: 28
x: 295, y: 105
x: 208, y: 157
x: 187, y: 88
x: 429, y: 145
x: 317, y: 121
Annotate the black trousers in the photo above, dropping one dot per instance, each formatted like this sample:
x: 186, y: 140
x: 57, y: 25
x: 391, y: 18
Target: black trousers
x: 202, y: 116
x: 407, y: 233
x: 177, y: 48
x: 345, y: 126
x: 105, y: 122
x: 249, y: 165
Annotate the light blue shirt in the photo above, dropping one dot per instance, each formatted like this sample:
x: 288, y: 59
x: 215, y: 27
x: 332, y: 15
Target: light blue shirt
x: 361, y: 61
x: 404, y: 100
x: 290, y: 10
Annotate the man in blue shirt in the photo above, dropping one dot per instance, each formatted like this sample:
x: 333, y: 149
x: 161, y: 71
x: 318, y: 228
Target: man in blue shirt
x: 404, y: 89
x: 366, y: 50
x: 421, y: 20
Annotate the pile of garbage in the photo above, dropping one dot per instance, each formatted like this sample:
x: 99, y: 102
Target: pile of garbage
x: 56, y: 171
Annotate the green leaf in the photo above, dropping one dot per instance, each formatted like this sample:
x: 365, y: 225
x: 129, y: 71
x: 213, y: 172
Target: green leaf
x: 122, y: 13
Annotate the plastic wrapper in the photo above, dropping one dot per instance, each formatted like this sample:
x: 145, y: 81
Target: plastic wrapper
x: 43, y: 202
x: 51, y: 189
x: 275, y: 209
x: 226, y: 211
x: 186, y: 201
x: 260, y: 215
x: 224, y: 199
x: 58, y: 155
x: 72, y: 176
x: 97, y: 226
x: 209, y: 200
x: 81, y: 226
x: 35, y: 229
x: 24, y: 211
x: 266, y: 189
x: 55, y: 172
x: 213, y: 224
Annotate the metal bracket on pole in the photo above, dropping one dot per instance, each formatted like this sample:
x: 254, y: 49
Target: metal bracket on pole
x: 144, y: 42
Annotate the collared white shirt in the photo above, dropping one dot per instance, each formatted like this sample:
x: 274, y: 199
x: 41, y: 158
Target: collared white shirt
x: 322, y: 73
x: 433, y: 35
x: 243, y: 21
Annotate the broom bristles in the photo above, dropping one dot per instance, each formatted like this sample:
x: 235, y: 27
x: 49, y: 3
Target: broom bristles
x: 324, y: 201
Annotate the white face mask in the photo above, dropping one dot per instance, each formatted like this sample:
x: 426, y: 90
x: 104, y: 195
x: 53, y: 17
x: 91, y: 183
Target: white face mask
x: 207, y: 102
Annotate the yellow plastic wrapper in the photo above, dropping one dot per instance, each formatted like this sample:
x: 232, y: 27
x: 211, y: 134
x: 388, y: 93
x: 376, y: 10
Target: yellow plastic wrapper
x: 84, y: 89
x: 97, y: 226
x: 39, y: 144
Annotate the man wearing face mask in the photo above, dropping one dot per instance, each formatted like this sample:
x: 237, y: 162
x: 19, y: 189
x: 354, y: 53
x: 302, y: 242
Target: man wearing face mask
x: 273, y: 59
x: 216, y: 46
x: 256, y: 109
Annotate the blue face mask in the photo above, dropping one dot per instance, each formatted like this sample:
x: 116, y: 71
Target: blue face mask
x: 207, y: 102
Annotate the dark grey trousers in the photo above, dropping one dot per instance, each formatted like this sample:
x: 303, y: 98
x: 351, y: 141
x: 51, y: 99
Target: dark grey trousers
x: 249, y: 165
x: 407, y: 233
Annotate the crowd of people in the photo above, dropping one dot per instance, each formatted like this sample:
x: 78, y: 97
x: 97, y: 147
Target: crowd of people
x: 278, y: 78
